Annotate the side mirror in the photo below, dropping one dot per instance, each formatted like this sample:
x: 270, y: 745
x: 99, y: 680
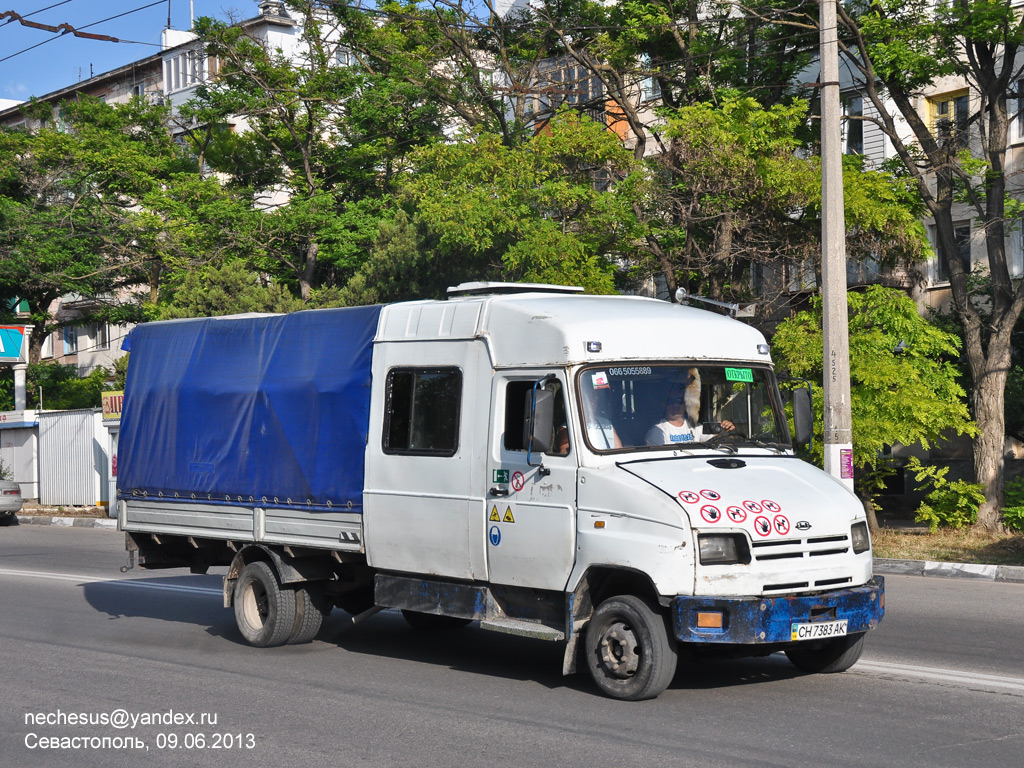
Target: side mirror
x: 803, y: 419
x: 539, y: 421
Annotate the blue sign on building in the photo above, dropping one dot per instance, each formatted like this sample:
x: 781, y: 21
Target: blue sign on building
x: 12, y: 338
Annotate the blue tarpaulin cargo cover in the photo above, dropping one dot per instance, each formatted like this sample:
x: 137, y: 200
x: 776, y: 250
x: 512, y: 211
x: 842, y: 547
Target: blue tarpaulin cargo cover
x: 269, y: 411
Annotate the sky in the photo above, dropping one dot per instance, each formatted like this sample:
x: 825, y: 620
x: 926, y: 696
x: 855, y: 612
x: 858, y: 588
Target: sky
x: 64, y: 59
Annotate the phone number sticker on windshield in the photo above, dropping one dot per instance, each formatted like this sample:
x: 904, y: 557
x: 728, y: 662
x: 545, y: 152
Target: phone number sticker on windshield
x: 819, y: 630
x: 642, y: 370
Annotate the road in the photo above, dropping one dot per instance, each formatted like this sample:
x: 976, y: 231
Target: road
x: 941, y: 684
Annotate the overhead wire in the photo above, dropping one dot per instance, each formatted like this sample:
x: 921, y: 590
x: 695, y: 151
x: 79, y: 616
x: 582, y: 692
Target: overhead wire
x: 35, y: 13
x: 73, y: 30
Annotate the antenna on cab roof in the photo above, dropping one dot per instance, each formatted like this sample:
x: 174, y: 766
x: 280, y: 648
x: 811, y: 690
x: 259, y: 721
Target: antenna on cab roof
x: 682, y: 295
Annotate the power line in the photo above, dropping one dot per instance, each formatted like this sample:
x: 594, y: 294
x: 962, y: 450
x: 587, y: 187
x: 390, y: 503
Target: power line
x: 77, y: 32
x: 34, y: 13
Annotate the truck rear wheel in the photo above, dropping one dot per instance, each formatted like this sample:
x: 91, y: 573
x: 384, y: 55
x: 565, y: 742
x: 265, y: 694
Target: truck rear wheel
x: 836, y: 655
x: 308, y: 617
x: 264, y: 611
x: 629, y: 652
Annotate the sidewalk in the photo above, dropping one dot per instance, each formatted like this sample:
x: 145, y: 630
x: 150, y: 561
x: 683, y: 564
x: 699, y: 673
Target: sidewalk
x: 74, y: 517
x: 92, y: 517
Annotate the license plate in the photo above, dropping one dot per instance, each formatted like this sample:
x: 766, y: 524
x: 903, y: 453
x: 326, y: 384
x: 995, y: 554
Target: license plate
x: 819, y: 630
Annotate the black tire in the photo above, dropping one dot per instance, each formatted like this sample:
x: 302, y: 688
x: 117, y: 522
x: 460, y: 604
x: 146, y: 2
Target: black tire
x: 7, y: 519
x: 432, y: 622
x: 629, y: 651
x: 308, y: 616
x: 264, y: 610
x: 836, y: 655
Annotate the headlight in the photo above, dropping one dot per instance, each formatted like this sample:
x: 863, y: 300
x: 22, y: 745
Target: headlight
x: 723, y: 548
x: 859, y: 537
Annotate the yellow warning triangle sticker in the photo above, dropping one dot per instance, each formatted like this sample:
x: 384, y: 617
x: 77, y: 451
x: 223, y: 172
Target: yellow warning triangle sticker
x: 508, y: 516
x: 494, y: 515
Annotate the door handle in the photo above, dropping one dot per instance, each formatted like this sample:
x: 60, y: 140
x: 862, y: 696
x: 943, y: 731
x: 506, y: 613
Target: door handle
x: 498, y: 491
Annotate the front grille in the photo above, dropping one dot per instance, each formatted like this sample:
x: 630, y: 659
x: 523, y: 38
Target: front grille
x: 832, y: 582
x: 795, y: 549
x: 785, y: 587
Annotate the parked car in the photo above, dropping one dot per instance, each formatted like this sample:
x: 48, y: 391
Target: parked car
x: 10, y: 501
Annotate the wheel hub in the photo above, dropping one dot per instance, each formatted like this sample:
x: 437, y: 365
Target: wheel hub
x: 618, y: 650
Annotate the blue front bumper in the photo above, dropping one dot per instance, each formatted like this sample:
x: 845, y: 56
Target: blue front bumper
x: 760, y: 620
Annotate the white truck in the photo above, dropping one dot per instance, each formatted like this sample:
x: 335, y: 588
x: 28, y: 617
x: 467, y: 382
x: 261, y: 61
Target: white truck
x: 614, y: 473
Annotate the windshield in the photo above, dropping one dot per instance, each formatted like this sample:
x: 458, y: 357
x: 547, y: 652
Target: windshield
x: 687, y: 406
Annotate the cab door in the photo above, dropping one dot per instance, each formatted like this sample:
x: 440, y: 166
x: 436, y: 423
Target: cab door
x: 529, y: 511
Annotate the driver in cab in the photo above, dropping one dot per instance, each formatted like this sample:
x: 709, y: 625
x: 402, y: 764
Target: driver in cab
x: 681, y: 423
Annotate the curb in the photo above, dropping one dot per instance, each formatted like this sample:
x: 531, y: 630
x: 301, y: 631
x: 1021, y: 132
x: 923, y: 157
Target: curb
x: 1013, y: 574
x: 68, y: 522
x: 1005, y: 573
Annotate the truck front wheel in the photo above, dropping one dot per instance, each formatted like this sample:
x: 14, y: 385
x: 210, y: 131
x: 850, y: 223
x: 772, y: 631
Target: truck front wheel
x: 264, y: 611
x: 836, y: 655
x: 629, y: 651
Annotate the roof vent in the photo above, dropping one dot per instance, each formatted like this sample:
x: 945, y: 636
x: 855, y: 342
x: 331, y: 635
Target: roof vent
x: 494, y: 289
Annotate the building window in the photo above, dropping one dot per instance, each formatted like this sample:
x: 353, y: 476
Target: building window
x: 801, y: 277
x: 1015, y: 110
x: 962, y: 237
x: 421, y: 412
x: 950, y: 117
x: 1016, y: 250
x: 853, y: 128
x: 561, y: 81
x: 46, y: 351
x: 70, y: 340
x: 650, y: 87
x: 345, y: 57
x: 100, y: 333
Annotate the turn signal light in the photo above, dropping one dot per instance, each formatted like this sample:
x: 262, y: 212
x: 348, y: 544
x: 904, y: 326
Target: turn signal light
x: 710, y: 620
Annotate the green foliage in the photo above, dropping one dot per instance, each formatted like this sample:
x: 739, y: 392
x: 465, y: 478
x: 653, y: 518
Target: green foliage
x: 63, y: 389
x: 403, y: 265
x: 1013, y: 506
x: 324, y: 146
x: 904, y: 35
x: 948, y: 504
x: 908, y: 397
x: 120, y: 372
x: 735, y: 190
x: 534, y: 207
x: 226, y: 289
x: 101, y: 204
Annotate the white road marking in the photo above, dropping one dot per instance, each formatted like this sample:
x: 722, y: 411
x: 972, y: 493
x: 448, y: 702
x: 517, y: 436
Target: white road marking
x: 976, y: 680
x: 112, y: 582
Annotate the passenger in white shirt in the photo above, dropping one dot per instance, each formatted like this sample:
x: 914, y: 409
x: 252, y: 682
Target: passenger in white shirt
x: 680, y: 424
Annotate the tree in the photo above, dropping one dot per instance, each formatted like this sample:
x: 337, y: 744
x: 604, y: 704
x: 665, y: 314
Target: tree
x: 226, y: 289
x: 63, y: 389
x: 742, y: 190
x: 900, y: 47
x: 904, y: 384
x: 322, y: 143
x: 534, y: 212
x: 102, y: 205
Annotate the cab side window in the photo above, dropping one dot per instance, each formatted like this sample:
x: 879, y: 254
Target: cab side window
x: 422, y: 411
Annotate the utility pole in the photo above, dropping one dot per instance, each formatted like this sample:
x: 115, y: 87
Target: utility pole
x: 838, y: 421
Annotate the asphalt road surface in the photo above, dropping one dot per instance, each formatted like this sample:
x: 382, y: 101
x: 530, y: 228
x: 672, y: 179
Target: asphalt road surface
x: 146, y: 668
